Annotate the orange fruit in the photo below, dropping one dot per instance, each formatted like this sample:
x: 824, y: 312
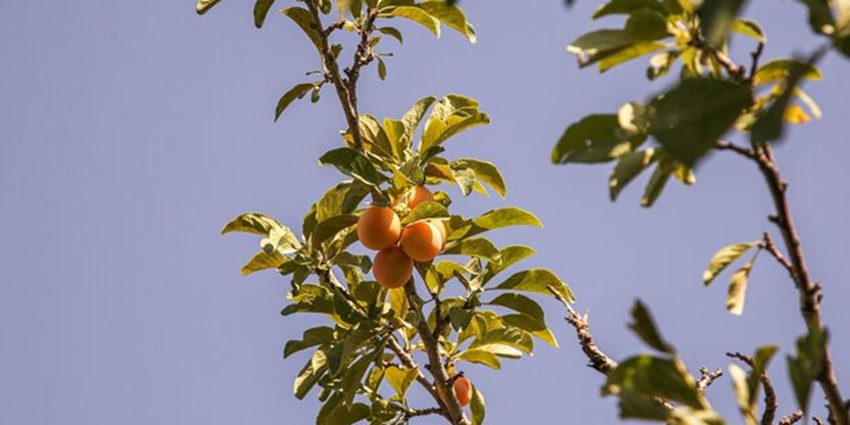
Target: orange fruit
x: 378, y: 228
x: 392, y: 267
x: 421, y: 241
x: 420, y: 195
x: 463, y: 390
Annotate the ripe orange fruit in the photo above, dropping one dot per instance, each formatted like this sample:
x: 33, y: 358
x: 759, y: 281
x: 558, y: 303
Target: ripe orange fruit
x: 392, y: 267
x: 420, y: 195
x: 378, y: 228
x: 421, y: 241
x: 463, y: 390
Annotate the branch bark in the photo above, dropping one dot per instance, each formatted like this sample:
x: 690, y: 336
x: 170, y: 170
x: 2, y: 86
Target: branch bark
x: 771, y: 404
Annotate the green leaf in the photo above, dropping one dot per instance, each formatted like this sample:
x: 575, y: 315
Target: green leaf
x: 537, y: 280
x: 413, y: 117
x: 353, y: 163
x: 261, y: 9
x: 392, y: 32
x: 346, y: 415
x: 495, y: 219
x: 532, y: 326
x: 453, y: 114
x: 414, y: 14
x: 770, y: 125
x: 310, y: 298
x: 806, y: 366
x: 343, y: 198
x: 262, y: 261
x: 644, y: 326
x: 689, y: 119
x: 330, y: 227
x: 477, y: 406
x: 311, y: 338
x: 742, y: 394
x: 656, y: 185
x: 628, y: 167
x: 627, y: 7
x: 304, y: 21
x: 596, y: 138
x: 310, y: 374
x: 485, y: 171
x: 647, y: 24
x: 426, y: 210
x: 723, y: 258
x: 750, y: 29
x: 474, y: 247
x: 595, y: 45
x: 521, y: 304
x: 760, y: 361
x: 654, y: 377
x: 504, y: 342
x: 401, y: 379
x: 738, y: 289
x: 203, y: 6
x: 450, y: 15
x: 374, y: 137
x: 465, y: 179
x: 781, y: 69
x: 297, y: 92
x: 717, y: 18
x: 510, y: 255
x: 626, y: 54
x: 481, y: 356
x: 254, y: 222
x: 382, y: 69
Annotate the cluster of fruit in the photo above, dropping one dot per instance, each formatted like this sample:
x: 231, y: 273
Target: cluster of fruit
x: 379, y: 228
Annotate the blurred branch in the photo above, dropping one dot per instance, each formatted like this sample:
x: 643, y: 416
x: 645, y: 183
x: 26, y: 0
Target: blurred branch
x: 770, y: 401
x: 768, y: 245
x: 792, y: 418
x: 707, y: 378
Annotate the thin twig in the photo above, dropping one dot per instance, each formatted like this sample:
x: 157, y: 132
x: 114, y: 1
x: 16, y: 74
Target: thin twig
x: 756, y: 55
x: 817, y: 420
x: 792, y: 418
x: 707, y: 378
x: 740, y: 150
x: 768, y: 245
x: 423, y: 412
x: 598, y: 359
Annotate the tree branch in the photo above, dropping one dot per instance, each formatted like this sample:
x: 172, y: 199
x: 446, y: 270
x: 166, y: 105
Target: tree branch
x: 346, y: 92
x: 770, y: 401
x: 768, y: 245
x: 809, y: 292
x: 728, y: 146
x: 707, y: 378
x: 442, y: 380
x: 792, y: 418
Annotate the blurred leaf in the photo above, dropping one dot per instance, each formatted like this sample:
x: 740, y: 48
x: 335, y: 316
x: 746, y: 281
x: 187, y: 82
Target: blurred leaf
x: 717, y: 17
x: 781, y: 69
x: 627, y: 7
x: 760, y: 361
x: 203, y: 6
x: 596, y: 138
x: 820, y: 16
x: 595, y: 45
x: 261, y: 9
x: 477, y: 406
x: 537, y: 280
x: 660, y: 64
x: 805, y: 367
x: 628, y: 167
x: 647, y: 24
x: 770, y: 126
x: 723, y: 258
x: 644, y: 326
x: 450, y: 15
x: 474, y: 247
x: 738, y: 290
x: 254, y: 222
x: 634, y: 404
x: 689, y: 119
x: 414, y: 14
x: 304, y: 21
x: 656, y: 184
x: 353, y: 163
x: 401, y: 379
x: 749, y: 28
x: 742, y: 394
x: 382, y: 69
x: 628, y: 53
x: 654, y: 377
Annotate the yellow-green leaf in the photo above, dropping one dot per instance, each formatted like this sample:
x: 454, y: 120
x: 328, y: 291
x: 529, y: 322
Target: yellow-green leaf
x: 722, y: 258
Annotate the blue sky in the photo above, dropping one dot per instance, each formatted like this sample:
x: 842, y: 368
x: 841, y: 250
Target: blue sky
x: 130, y: 132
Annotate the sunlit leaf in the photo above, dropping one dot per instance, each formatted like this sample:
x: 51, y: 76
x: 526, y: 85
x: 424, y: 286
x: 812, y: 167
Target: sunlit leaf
x: 304, y: 21
x: 537, y: 280
x: 261, y: 9
x: 644, y: 326
x: 203, y: 6
x: 401, y: 379
x: 414, y: 14
x: 596, y: 138
x: 723, y: 258
x: 477, y: 406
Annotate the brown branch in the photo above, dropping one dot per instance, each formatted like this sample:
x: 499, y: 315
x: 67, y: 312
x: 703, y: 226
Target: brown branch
x: 771, y: 403
x: 817, y: 420
x: 792, y: 418
x: 745, y: 152
x: 442, y: 380
x: 756, y: 55
x: 363, y: 55
x: 423, y: 412
x: 597, y: 358
x: 707, y: 378
x: 345, y: 92
x: 809, y: 291
x: 768, y: 245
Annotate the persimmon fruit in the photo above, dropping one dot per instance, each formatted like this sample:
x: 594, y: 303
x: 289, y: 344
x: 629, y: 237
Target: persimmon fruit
x: 392, y: 267
x: 378, y: 227
x: 421, y: 241
x: 462, y: 389
x: 420, y: 194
